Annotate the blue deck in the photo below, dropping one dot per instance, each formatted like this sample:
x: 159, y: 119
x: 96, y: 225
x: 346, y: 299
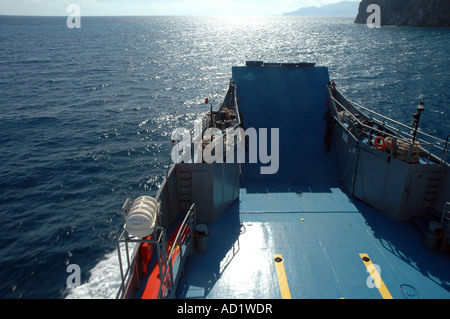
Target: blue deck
x: 303, y: 214
x: 320, y: 245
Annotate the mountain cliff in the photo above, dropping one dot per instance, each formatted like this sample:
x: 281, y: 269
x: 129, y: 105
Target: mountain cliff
x: 417, y: 13
x: 341, y: 9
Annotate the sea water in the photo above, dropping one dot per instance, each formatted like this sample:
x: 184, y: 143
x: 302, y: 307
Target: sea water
x: 86, y: 116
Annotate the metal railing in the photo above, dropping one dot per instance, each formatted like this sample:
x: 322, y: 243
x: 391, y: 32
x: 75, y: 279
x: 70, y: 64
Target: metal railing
x: 166, y: 258
x: 168, y: 278
x: 430, y: 145
x: 402, y: 129
x: 131, y: 273
x: 445, y: 219
x: 194, y: 145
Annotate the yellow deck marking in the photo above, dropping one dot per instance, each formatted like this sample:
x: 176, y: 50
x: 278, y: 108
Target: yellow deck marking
x: 284, y: 286
x: 376, y: 277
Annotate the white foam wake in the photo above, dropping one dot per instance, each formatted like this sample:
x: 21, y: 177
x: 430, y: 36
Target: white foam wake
x: 105, y: 279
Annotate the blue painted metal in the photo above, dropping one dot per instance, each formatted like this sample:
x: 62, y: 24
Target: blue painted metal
x: 295, y: 101
x: 320, y: 252
x: 308, y: 211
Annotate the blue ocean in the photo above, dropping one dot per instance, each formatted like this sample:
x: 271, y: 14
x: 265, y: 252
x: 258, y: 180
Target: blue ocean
x: 86, y: 116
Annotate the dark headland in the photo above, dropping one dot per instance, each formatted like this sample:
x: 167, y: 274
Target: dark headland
x: 340, y: 9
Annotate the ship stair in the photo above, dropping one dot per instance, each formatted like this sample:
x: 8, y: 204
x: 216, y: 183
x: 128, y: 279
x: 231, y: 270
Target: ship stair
x: 422, y: 222
x: 184, y: 188
x: 432, y: 215
x: 432, y: 190
x: 434, y: 185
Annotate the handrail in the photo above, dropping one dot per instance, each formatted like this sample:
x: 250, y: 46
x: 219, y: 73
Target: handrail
x: 190, y: 214
x: 348, y: 131
x: 400, y: 134
x: 221, y: 136
x: 446, y: 143
x: 190, y: 217
x: 394, y: 121
x: 380, y: 115
x: 446, y: 215
x: 131, y: 270
x: 127, y: 276
x: 159, y: 239
x: 364, y: 125
x: 408, y: 135
x: 234, y: 127
x: 332, y: 99
x: 395, y: 137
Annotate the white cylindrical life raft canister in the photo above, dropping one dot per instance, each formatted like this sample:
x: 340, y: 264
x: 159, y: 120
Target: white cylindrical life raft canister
x: 141, y: 219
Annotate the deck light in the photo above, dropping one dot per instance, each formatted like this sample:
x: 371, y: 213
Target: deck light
x: 416, y: 116
x: 421, y: 105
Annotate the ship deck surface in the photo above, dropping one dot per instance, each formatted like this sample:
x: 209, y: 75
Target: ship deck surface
x: 297, y: 233
x: 321, y: 235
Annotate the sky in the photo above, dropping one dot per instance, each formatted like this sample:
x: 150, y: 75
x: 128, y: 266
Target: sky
x: 157, y: 7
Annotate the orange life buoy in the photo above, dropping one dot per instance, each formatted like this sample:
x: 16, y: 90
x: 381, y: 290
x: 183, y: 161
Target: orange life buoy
x: 382, y: 146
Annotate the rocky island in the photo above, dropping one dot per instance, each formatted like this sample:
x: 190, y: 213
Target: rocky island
x: 340, y: 9
x: 416, y: 13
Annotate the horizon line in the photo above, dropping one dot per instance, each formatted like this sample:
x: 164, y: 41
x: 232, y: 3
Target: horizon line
x: 170, y: 15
